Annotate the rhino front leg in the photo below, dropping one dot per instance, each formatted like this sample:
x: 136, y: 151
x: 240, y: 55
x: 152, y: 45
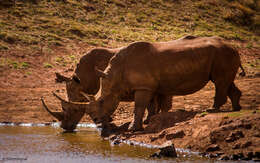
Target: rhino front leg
x: 142, y: 100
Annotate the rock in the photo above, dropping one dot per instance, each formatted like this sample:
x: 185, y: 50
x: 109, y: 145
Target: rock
x: 257, y: 155
x: 115, y: 142
x: 166, y: 150
x: 250, y: 155
x: 213, y: 148
x: 224, y: 157
x: 211, y: 155
x: 237, y: 156
x: 246, y: 144
x: 177, y: 134
x: 236, y: 146
x: 234, y: 136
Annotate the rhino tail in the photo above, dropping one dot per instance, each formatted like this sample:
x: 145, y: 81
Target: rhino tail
x: 243, y: 73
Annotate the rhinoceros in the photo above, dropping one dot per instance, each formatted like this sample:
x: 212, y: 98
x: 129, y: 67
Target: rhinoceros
x: 174, y: 68
x: 86, y: 80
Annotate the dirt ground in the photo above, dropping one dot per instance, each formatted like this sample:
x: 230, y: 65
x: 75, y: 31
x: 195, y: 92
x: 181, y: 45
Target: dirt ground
x: 228, y: 135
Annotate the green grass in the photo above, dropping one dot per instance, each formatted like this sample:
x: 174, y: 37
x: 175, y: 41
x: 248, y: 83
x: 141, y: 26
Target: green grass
x: 14, y: 64
x: 47, y: 65
x: 240, y: 113
x: 116, y: 22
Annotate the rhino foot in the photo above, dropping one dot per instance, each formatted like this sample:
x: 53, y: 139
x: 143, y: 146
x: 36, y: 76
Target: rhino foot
x: 237, y: 108
x: 134, y: 127
x: 212, y: 110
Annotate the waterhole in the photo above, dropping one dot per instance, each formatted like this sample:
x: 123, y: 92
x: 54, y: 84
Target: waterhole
x: 40, y: 143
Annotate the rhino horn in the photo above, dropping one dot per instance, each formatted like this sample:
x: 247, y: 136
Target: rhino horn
x: 58, y: 115
x: 100, y: 73
x: 90, y: 98
x: 73, y: 105
x: 58, y: 97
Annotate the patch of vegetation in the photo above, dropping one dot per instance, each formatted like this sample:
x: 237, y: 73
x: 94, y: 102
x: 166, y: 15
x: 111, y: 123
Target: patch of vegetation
x: 47, y: 65
x: 113, y: 22
x: 14, y: 64
x: 203, y: 113
x: 238, y: 113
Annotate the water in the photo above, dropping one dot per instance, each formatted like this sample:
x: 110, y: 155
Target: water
x: 26, y: 143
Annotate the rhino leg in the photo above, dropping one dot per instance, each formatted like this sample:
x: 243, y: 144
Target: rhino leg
x: 220, y: 94
x: 142, y: 100
x: 234, y: 94
x: 165, y: 103
x: 159, y: 103
x: 152, y: 109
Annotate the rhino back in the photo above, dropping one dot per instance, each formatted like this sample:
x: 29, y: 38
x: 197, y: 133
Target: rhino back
x: 179, y: 67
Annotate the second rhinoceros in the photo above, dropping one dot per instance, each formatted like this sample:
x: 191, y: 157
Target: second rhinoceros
x: 86, y: 80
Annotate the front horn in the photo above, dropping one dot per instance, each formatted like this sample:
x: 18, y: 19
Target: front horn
x: 73, y: 105
x: 58, y: 115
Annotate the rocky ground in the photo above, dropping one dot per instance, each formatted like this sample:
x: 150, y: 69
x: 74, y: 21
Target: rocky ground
x: 226, y: 135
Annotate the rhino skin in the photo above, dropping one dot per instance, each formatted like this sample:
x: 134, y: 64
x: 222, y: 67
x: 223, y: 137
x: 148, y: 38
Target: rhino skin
x: 178, y: 67
x: 86, y: 80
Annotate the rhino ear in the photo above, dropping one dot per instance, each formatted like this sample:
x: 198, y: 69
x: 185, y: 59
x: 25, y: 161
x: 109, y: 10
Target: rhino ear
x: 100, y: 73
x: 60, y: 78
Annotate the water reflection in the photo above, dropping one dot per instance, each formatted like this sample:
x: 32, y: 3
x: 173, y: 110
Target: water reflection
x: 49, y: 144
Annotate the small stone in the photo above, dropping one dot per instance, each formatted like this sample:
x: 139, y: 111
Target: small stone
x: 234, y: 157
x: 234, y: 136
x: 166, y: 150
x: 156, y: 154
x: 213, y: 148
x: 115, y: 142
x: 246, y: 144
x: 224, y: 157
x: 236, y: 146
x: 237, y: 156
x: 219, y: 153
x: 257, y: 155
x: 153, y: 138
x: 250, y: 155
x: 211, y: 155
x: 178, y: 134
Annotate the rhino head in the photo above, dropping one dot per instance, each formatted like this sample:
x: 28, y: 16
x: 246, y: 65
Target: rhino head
x: 72, y: 112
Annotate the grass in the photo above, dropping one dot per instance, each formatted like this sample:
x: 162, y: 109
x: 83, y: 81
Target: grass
x: 14, y: 64
x: 113, y: 23
x: 240, y: 113
x: 47, y: 65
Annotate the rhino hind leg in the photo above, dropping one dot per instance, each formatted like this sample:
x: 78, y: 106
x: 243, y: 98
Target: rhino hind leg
x: 152, y: 109
x: 221, y: 93
x: 159, y: 103
x: 142, y: 100
x: 234, y: 94
x: 165, y: 103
